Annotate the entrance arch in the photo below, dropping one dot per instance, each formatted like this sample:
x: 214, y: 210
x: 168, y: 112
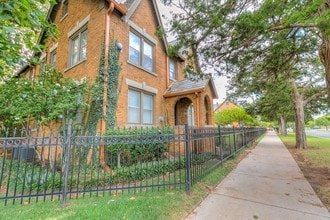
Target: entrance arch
x: 184, y: 112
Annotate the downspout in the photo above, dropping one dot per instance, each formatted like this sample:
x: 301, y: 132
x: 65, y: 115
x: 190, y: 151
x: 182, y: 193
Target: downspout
x: 106, y: 55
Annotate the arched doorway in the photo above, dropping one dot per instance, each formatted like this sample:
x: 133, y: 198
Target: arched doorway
x: 184, y: 112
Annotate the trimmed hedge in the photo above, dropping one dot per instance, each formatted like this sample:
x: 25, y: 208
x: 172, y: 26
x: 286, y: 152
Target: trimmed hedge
x: 136, y: 145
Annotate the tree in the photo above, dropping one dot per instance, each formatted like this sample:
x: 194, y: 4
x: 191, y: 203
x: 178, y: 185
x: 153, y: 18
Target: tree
x: 216, y: 31
x: 274, y: 104
x: 288, y: 65
x: 256, y: 40
x: 46, y: 98
x: 21, y: 22
x: 231, y: 116
x: 323, y: 121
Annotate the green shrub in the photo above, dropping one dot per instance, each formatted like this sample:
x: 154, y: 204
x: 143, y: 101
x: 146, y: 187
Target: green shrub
x: 135, y: 145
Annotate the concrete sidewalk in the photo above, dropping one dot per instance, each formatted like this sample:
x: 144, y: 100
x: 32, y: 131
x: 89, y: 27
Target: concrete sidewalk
x: 267, y: 184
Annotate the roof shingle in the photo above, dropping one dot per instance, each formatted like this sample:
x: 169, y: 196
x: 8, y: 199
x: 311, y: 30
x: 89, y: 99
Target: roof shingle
x: 186, y: 85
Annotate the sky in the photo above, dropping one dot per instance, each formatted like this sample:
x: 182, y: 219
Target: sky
x: 219, y: 82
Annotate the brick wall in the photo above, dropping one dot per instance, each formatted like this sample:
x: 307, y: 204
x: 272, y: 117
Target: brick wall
x: 145, y: 18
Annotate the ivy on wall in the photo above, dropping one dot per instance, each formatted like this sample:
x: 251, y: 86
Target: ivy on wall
x: 96, y: 111
x: 112, y: 87
x: 111, y: 78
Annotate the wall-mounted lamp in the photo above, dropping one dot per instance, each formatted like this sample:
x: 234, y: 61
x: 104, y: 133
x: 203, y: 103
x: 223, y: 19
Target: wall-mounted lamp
x: 119, y: 46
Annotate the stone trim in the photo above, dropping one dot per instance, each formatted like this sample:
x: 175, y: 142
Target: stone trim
x: 142, y: 86
x: 53, y: 47
x: 79, y: 26
x: 142, y: 32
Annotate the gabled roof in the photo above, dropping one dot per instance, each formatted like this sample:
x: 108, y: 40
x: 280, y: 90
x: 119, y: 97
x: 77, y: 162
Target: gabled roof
x: 132, y: 5
x: 187, y: 86
x: 226, y: 101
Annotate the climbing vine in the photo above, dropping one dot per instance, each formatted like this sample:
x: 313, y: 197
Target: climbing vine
x: 112, y: 73
x: 112, y: 87
x: 95, y: 112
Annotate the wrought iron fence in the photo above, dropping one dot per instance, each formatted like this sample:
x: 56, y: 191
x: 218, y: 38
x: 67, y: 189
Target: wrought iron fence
x: 39, y: 164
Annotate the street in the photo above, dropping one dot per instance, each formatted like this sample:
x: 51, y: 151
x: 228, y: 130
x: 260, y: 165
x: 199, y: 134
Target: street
x: 318, y: 133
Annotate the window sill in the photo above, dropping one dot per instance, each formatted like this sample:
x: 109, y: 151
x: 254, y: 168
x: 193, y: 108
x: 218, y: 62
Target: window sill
x: 73, y: 66
x: 140, y: 67
x: 64, y: 16
x: 139, y: 125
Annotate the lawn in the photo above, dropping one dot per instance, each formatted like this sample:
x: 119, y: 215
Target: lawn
x: 314, y: 163
x: 318, y: 151
x: 164, y: 204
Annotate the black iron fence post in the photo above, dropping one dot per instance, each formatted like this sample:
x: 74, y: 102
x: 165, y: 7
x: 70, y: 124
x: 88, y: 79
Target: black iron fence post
x: 244, y: 136
x: 67, y: 146
x: 220, y: 145
x: 187, y: 156
x: 234, y: 140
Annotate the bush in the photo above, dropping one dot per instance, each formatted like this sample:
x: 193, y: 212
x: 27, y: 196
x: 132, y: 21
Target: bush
x: 136, y: 145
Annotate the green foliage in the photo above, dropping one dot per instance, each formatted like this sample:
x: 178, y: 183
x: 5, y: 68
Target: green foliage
x: 112, y: 73
x: 173, y: 50
x: 229, y: 116
x: 318, y: 149
x: 160, y: 32
x: 21, y: 22
x: 146, y: 170
x: 205, y: 28
x: 26, y: 177
x: 96, y: 107
x: 323, y: 121
x: 47, y: 97
x: 275, y: 102
x: 168, y: 204
x: 112, y: 88
x: 136, y: 144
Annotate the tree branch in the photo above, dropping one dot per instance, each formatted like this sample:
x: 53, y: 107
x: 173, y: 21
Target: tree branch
x: 279, y: 28
x: 314, y: 96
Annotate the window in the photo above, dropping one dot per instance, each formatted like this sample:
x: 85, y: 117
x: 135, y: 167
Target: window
x: 141, y: 52
x: 65, y: 8
x: 78, y: 47
x: 140, y: 107
x: 172, y: 68
x: 53, y: 56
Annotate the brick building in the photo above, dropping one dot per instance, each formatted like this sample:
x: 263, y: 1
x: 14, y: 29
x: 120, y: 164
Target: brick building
x: 152, y: 90
x: 225, y: 106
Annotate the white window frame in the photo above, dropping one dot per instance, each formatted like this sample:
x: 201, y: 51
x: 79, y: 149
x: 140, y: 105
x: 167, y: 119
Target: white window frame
x: 77, y: 38
x: 172, y: 75
x: 143, y: 41
x: 141, y: 108
x: 65, y: 8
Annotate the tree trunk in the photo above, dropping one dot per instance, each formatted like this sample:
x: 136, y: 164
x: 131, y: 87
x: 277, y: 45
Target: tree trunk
x: 298, y: 100
x: 282, y: 126
x: 324, y: 53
